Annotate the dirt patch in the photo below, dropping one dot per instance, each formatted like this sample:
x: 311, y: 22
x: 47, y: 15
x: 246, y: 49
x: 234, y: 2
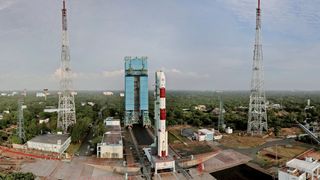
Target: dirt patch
x: 315, y: 154
x: 173, y: 139
x: 178, y: 127
x: 242, y: 142
x: 192, y: 148
x: 291, y: 131
x: 272, y: 156
x: 178, y: 136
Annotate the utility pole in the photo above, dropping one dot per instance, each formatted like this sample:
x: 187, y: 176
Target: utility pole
x: 21, y: 132
x: 257, y: 116
x: 66, y: 106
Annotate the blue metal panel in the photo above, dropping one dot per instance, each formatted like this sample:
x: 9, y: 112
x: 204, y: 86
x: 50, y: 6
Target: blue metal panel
x: 144, y: 92
x: 129, y: 93
x: 209, y: 137
x: 136, y: 64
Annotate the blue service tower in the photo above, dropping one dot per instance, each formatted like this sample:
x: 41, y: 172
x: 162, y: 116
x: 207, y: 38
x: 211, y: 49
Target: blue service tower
x: 136, y: 91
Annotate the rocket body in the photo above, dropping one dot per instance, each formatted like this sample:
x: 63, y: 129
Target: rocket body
x: 160, y: 110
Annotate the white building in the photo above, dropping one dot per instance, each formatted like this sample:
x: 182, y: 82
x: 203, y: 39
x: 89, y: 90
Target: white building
x: 57, y: 143
x: 40, y: 94
x: 111, y: 145
x: 276, y: 106
x: 91, y: 103
x: 108, y: 93
x: 44, y: 120
x: 51, y: 110
x: 6, y: 112
x: 204, y: 135
x: 121, y: 94
x: 109, y: 121
x: 297, y: 169
x: 229, y: 130
x: 200, y: 108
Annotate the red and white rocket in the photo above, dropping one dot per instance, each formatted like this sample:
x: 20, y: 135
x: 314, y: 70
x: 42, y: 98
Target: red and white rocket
x: 160, y: 114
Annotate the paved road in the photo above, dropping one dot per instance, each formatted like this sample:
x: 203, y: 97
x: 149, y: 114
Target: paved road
x: 85, y: 147
x: 84, y: 150
x: 252, y: 152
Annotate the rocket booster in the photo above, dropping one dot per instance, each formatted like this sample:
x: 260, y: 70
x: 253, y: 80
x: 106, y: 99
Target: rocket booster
x: 162, y: 134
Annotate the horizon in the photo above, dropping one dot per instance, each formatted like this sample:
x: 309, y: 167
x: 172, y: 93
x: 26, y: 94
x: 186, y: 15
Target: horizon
x: 151, y: 90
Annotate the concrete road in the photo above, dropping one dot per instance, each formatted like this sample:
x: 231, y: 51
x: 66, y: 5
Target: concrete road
x: 84, y: 149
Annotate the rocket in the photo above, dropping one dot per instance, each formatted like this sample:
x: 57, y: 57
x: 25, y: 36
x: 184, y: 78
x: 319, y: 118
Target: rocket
x: 64, y: 16
x: 160, y: 114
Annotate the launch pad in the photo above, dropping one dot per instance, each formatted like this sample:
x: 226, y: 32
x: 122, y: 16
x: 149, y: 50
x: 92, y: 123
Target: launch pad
x: 159, y: 163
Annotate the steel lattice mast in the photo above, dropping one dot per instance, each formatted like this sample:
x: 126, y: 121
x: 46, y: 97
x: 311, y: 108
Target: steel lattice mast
x: 21, y: 132
x: 66, y: 106
x: 257, y: 117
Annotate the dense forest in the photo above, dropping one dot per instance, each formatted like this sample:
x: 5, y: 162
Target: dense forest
x: 180, y: 110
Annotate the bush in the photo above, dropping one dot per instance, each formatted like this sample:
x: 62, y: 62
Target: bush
x: 18, y: 176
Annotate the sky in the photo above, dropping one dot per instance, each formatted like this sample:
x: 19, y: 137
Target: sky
x: 200, y: 45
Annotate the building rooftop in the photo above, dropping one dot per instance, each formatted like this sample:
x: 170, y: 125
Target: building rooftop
x: 187, y: 132
x: 112, y: 138
x: 113, y: 129
x: 50, y: 138
x: 303, y: 165
x: 205, y: 131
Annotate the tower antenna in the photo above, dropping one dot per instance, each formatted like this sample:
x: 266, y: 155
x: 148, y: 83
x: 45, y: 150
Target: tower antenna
x: 21, y: 132
x: 257, y: 116
x: 66, y: 106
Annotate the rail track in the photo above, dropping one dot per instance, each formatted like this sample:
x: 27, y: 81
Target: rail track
x: 145, y: 171
x: 142, y: 136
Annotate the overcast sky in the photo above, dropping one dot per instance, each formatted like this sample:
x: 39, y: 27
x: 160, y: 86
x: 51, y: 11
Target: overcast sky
x: 201, y: 45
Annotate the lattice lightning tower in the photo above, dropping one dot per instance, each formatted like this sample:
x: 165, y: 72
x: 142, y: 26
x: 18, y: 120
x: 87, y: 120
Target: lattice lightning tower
x: 66, y: 106
x: 257, y: 117
x: 21, y: 132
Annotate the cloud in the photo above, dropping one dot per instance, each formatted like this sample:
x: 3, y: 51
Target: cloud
x: 6, y: 4
x: 285, y: 15
x: 57, y: 74
x: 92, y: 75
x: 175, y: 71
x: 186, y: 74
x: 115, y: 73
